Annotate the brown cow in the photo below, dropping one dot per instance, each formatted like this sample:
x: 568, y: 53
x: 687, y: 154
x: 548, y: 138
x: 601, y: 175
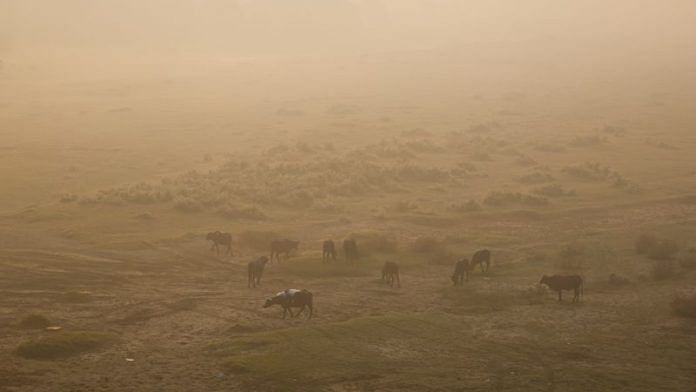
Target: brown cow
x: 255, y: 269
x: 481, y: 257
x: 390, y: 272
x: 328, y: 249
x: 350, y: 250
x: 284, y: 247
x: 292, y: 298
x: 564, y: 282
x: 461, y: 270
x: 220, y: 238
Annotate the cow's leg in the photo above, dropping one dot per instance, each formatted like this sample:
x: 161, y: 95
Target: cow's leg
x: 301, y: 310
x: 290, y: 311
x: 285, y: 312
x: 311, y: 311
x: 576, y: 297
x: 398, y: 280
x: 560, y: 295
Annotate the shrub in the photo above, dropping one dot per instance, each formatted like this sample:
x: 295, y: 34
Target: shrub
x: 34, y: 321
x: 587, y: 141
x: 469, y: 206
x: 258, y: 240
x: 507, y: 198
x: 63, y: 345
x: 242, y: 212
x: 684, y: 306
x: 187, y: 205
x: 663, y: 269
x: 552, y: 190
x: 656, y: 248
x: 535, y: 178
x: 426, y: 245
x: 374, y: 242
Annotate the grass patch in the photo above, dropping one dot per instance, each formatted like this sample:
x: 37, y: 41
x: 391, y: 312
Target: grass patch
x: 34, y: 321
x: 368, y: 348
x: 63, y: 345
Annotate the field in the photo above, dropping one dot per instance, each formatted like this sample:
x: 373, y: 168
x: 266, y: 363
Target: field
x: 111, y: 184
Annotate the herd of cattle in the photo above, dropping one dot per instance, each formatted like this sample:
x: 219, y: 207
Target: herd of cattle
x: 303, y: 299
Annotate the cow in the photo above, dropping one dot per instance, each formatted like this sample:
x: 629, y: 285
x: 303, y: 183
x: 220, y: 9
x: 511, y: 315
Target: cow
x: 481, y: 257
x: 255, y: 269
x: 390, y: 272
x: 328, y: 249
x: 218, y: 238
x: 284, y: 247
x: 292, y: 298
x: 564, y: 282
x: 461, y: 270
x: 350, y: 250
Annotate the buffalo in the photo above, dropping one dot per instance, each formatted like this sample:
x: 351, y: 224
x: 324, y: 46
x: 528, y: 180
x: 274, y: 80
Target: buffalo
x: 219, y: 238
x: 292, y: 298
x: 390, y: 273
x: 461, y: 271
x: 481, y: 257
x: 279, y: 247
x: 255, y: 269
x: 328, y: 250
x: 564, y: 282
x: 350, y: 249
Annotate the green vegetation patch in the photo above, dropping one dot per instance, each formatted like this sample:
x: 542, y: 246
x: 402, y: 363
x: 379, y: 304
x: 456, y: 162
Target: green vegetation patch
x: 64, y: 344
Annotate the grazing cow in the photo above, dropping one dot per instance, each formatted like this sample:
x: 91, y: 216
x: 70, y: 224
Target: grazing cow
x: 390, y: 272
x: 284, y: 247
x: 564, y: 282
x: 461, y: 270
x: 219, y: 238
x: 255, y: 269
x: 292, y: 298
x: 350, y: 249
x: 481, y: 257
x: 328, y: 249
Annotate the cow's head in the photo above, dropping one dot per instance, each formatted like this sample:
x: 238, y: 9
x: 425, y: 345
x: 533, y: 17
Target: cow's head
x: 294, y: 244
x: 269, y: 302
x: 263, y: 260
x: 544, y: 279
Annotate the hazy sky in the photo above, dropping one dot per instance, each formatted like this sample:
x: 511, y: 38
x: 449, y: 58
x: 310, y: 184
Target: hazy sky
x: 245, y: 27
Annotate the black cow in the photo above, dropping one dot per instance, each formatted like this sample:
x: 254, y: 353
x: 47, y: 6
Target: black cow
x: 328, y: 249
x: 350, y: 249
x: 461, y: 270
x: 481, y: 257
x: 292, y: 298
x: 390, y: 273
x: 284, y: 247
x: 564, y: 282
x: 219, y: 238
x: 255, y: 269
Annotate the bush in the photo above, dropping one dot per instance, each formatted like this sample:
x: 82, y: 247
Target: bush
x: 242, y: 212
x: 374, y: 242
x: 469, y: 206
x: 684, y: 306
x: 187, y: 205
x: 587, y: 141
x: 508, y: 198
x: 552, y: 190
x: 663, y: 269
x: 656, y: 248
x: 535, y: 178
x: 63, y: 345
x: 426, y: 245
x: 34, y: 321
x: 258, y: 240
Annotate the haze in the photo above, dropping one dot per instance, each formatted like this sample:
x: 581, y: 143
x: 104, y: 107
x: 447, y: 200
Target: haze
x: 151, y: 150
